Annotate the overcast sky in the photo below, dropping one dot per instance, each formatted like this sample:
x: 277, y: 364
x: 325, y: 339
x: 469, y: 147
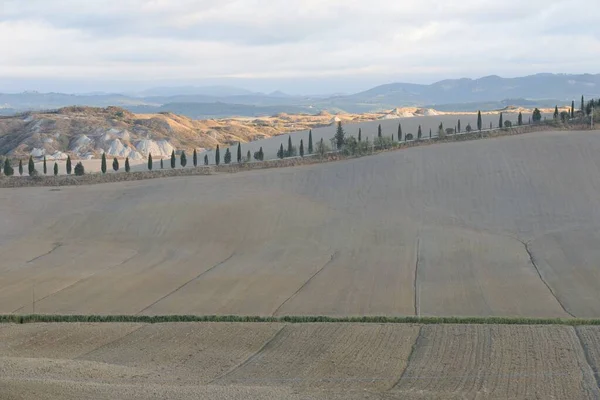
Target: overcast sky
x: 298, y: 46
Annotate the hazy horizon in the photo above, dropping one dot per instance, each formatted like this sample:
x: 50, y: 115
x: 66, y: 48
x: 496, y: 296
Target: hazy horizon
x: 298, y: 47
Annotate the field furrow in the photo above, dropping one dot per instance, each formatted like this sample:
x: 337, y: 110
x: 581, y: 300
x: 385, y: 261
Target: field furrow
x: 479, y: 361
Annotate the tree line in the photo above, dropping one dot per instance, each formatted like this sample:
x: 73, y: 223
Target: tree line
x: 341, y: 141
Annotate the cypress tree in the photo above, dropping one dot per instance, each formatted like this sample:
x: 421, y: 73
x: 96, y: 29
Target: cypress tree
x: 582, y: 105
x: 280, y: 151
x: 458, y: 126
x: 572, y: 108
x: 115, y: 164
x: 162, y: 166
x: 127, y: 167
x: 45, y: 167
x: 103, y: 165
x: 31, y: 166
x: 500, y: 122
x: 310, y: 144
x: 68, y: 165
x: 173, y: 160
x: 206, y: 159
x: 217, y: 156
x: 239, y: 153
x: 183, y: 159
x: 248, y: 156
x: 399, y: 132
x: 55, y: 168
x: 227, y: 157
x: 20, y: 167
x: 301, y: 148
x: 392, y: 137
x: 195, y: 158
x: 261, y: 153
x: 555, y: 112
x: 339, y: 136
x: 359, y: 134
x: 379, y: 133
x: 149, y: 162
x: 419, y: 133
x: 8, y: 169
x: 429, y: 133
x: 289, y: 149
x: 479, y: 123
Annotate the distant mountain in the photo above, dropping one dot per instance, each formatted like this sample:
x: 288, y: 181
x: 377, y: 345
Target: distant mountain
x: 560, y: 87
x: 224, y: 101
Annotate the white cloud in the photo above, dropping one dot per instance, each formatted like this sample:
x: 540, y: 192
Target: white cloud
x: 203, y: 39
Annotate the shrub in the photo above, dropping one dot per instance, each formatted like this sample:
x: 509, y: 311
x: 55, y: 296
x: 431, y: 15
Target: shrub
x: 468, y: 128
x: 115, y: 164
x: 350, y: 146
x: 183, y: 159
x: 79, y: 170
x: 381, y: 142
x: 449, y: 131
x: 227, y: 156
x: 127, y: 167
x: 537, y: 115
x: 322, y: 148
x: 507, y: 124
x: 55, y: 168
x: 409, y: 136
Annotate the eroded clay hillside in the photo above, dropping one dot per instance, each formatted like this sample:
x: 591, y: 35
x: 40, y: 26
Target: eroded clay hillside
x: 87, y: 132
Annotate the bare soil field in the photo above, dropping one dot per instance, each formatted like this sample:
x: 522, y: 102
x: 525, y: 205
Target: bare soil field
x: 296, y: 361
x: 498, y: 227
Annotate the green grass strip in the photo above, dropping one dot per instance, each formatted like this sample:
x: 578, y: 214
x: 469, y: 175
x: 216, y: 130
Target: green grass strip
x: 32, y: 318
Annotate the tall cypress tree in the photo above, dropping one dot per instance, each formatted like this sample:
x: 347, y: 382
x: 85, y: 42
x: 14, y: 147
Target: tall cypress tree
x: 55, y: 168
x: 239, y: 153
x: 103, y: 164
x: 8, y: 169
x: 173, y: 159
x: 31, y: 166
x: 339, y: 135
x: 520, y: 119
x: 458, y: 130
x: 500, y: 122
x: 359, y: 134
x: 399, y: 132
x: 582, y: 105
x: 555, y: 112
x: 217, y: 156
x: 127, y: 167
x: 115, y: 164
x: 45, y: 167
x: 162, y: 165
x: 379, y: 132
x: 149, y: 162
x: 20, y: 167
x: 289, y: 150
x: 195, y: 158
x: 479, y: 123
x: 310, y: 143
x: 280, y: 151
x: 248, y: 156
x: 206, y: 159
x: 183, y: 159
x: 69, y: 165
x: 301, y: 148
x: 227, y: 157
x: 572, y: 108
x: 419, y: 133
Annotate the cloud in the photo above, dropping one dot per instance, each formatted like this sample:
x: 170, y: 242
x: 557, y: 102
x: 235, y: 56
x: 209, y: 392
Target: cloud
x: 295, y: 39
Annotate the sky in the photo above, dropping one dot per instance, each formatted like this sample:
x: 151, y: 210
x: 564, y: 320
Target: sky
x: 297, y: 46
